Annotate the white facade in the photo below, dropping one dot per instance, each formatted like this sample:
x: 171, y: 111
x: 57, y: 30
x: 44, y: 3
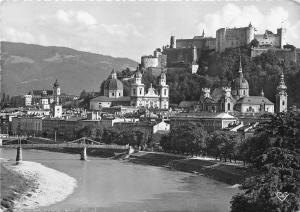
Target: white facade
x: 28, y: 100
x: 57, y: 113
x: 154, y: 98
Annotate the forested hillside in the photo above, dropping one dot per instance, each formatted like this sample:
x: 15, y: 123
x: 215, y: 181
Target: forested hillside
x: 262, y: 72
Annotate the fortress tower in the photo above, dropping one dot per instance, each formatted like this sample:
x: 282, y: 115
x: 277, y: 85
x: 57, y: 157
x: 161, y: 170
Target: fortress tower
x: 281, y: 32
x: 281, y: 96
x: 194, y: 65
x: 172, y: 42
x: 249, y: 33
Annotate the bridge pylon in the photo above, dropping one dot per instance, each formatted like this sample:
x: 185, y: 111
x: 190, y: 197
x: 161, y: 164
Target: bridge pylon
x: 19, y: 155
x: 83, y: 155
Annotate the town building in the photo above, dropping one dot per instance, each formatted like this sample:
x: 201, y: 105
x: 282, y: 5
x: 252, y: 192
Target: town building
x: 209, y: 121
x: 113, y: 94
x: 26, y: 126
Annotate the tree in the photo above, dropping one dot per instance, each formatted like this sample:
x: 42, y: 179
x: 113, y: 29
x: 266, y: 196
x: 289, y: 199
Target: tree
x: 254, y: 43
x: 276, y: 155
x: 188, y: 138
x: 83, y: 94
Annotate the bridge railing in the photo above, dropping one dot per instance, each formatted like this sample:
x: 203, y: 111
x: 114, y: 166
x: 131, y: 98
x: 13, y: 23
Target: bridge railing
x: 68, y: 145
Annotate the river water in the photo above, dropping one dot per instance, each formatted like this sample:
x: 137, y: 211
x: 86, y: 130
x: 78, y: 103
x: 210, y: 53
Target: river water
x: 111, y: 185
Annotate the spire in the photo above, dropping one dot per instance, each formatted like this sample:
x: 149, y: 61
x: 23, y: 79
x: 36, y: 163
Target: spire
x: 281, y: 85
x: 250, y: 25
x: 113, y: 74
x: 240, y: 67
x: 203, y: 33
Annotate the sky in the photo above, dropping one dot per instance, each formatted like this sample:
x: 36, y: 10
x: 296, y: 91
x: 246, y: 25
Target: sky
x: 135, y: 28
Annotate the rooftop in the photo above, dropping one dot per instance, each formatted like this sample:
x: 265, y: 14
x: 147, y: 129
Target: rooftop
x: 107, y: 99
x: 254, y: 100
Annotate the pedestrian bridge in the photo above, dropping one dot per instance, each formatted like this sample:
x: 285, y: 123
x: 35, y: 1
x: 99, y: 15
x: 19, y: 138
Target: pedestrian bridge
x: 82, y: 143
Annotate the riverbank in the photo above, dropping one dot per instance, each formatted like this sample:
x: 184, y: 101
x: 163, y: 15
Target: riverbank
x: 13, y: 185
x: 35, y: 185
x: 228, y: 173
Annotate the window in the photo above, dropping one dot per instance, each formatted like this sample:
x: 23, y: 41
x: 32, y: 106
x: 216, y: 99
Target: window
x: 112, y: 94
x: 134, y: 91
x: 283, y: 102
x: 228, y: 106
x: 141, y: 91
x: 244, y: 92
x: 119, y: 94
x: 165, y: 91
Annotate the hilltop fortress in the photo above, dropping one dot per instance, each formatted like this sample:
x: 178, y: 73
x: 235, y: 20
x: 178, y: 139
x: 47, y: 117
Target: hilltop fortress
x: 184, y: 53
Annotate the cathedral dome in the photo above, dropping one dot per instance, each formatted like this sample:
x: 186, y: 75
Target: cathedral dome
x: 113, y: 84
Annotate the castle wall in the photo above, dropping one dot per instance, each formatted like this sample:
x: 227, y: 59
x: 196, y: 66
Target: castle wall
x: 182, y: 56
x: 286, y: 54
x: 233, y: 37
x: 202, y: 43
x: 149, y: 62
x: 268, y: 40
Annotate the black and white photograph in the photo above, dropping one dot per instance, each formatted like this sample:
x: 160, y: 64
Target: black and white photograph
x: 150, y: 106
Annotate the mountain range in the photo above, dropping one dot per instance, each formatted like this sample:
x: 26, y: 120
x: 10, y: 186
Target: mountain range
x: 27, y: 67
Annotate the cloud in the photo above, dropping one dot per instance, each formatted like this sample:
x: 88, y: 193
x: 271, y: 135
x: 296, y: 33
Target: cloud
x: 75, y: 17
x: 232, y: 15
x: 15, y: 35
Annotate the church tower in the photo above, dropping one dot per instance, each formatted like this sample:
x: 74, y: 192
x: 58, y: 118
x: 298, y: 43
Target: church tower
x: 164, y: 92
x: 56, y: 92
x: 57, y: 109
x: 281, y: 96
x: 226, y: 102
x: 137, y: 90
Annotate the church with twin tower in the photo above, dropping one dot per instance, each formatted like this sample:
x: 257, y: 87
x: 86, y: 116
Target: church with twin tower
x: 152, y: 98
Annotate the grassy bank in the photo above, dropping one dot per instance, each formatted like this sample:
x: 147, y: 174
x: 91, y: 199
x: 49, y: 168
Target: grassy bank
x: 103, y: 153
x: 12, y: 187
x: 230, y: 174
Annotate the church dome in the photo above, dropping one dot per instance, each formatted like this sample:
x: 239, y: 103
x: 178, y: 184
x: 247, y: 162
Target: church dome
x: 113, y: 84
x: 240, y: 83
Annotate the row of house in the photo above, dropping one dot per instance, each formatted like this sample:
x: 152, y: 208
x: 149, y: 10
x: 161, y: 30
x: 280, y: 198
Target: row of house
x: 68, y: 129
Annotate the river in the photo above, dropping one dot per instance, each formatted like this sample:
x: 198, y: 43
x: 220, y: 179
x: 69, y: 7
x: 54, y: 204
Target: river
x: 112, y: 185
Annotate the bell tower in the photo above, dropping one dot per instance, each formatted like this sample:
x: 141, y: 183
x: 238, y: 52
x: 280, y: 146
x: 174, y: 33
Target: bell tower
x: 164, y: 92
x: 57, y: 109
x: 137, y: 90
x: 281, y: 96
